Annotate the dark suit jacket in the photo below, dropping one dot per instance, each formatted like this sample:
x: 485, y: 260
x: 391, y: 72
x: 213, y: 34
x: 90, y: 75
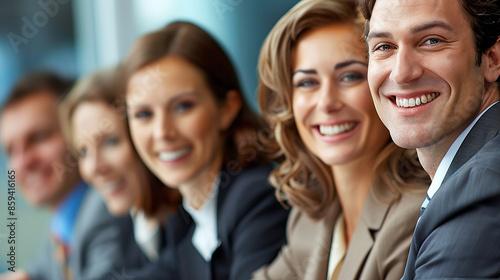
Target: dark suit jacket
x: 96, y: 245
x: 251, y: 227
x: 458, y: 236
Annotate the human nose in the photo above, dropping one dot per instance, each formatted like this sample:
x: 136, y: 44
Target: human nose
x: 329, y: 99
x: 164, y: 128
x: 96, y: 164
x: 407, y: 68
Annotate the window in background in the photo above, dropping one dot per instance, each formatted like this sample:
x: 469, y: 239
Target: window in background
x: 34, y: 35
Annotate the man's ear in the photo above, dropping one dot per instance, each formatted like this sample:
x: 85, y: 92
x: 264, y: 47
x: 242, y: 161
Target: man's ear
x: 230, y: 109
x: 493, y: 63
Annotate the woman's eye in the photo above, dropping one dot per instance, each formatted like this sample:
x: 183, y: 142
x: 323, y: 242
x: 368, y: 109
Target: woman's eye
x: 111, y: 141
x: 183, y: 106
x: 142, y: 114
x: 306, y: 83
x: 82, y: 152
x: 352, y: 77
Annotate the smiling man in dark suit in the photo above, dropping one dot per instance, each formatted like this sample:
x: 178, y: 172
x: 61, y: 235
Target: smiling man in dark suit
x: 433, y: 72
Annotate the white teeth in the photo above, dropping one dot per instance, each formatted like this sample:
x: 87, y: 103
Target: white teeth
x: 170, y: 156
x: 336, y: 129
x: 110, y: 187
x: 424, y: 99
x: 412, y: 102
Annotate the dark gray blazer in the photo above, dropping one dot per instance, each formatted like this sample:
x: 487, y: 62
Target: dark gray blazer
x: 251, y: 226
x: 97, y: 245
x: 458, y: 236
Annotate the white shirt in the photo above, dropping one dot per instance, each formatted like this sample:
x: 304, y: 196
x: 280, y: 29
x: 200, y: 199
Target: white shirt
x: 338, y: 249
x: 147, y: 235
x: 448, y: 158
x: 205, y: 238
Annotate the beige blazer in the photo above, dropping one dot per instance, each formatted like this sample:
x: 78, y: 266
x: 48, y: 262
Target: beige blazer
x: 378, y: 248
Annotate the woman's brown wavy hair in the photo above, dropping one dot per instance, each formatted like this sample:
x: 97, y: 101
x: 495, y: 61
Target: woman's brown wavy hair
x: 302, y: 178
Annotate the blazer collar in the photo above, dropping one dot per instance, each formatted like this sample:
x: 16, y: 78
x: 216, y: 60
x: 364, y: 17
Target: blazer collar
x: 226, y: 178
x: 318, y: 266
x: 483, y: 131
x: 372, y: 219
x: 184, y: 222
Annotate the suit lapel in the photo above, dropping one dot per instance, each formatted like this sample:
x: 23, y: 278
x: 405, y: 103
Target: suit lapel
x: 372, y: 219
x: 483, y: 131
x: 318, y: 261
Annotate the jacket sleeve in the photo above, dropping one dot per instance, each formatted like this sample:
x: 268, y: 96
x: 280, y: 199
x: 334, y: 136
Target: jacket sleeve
x: 261, y: 225
x: 283, y: 266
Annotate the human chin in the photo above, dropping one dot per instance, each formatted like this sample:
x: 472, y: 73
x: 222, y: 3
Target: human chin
x: 174, y: 178
x: 116, y: 193
x: 118, y: 206
x: 409, y: 137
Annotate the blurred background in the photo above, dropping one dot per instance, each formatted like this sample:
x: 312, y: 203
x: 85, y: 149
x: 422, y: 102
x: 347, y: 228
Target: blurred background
x: 76, y: 37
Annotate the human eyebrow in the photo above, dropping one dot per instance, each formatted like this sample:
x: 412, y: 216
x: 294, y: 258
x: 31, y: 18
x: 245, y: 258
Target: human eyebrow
x: 372, y: 35
x: 176, y: 98
x: 413, y: 30
x: 347, y: 63
x: 430, y: 25
x: 306, y: 71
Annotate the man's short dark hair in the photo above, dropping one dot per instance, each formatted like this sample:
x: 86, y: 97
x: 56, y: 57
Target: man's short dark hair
x: 483, y: 16
x: 35, y: 82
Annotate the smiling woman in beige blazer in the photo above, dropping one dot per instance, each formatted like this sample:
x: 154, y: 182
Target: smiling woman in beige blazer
x: 356, y: 195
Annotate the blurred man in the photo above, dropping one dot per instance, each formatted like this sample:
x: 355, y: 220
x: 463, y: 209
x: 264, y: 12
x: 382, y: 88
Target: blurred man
x: 82, y: 232
x: 433, y: 67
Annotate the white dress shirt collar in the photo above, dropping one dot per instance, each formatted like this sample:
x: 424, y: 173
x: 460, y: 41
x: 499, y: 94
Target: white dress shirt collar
x: 448, y: 157
x: 147, y: 235
x: 339, y: 247
x: 205, y: 237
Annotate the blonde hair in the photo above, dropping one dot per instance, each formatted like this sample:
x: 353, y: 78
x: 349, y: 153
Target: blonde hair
x: 302, y: 178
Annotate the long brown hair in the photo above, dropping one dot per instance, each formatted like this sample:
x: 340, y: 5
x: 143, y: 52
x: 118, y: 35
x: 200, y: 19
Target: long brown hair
x: 155, y: 199
x: 303, y: 179
x: 191, y: 43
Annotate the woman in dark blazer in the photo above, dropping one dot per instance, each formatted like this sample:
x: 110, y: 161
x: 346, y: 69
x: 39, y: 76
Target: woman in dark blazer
x: 192, y: 128
x: 356, y: 194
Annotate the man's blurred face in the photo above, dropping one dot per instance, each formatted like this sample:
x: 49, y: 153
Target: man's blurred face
x: 34, y: 144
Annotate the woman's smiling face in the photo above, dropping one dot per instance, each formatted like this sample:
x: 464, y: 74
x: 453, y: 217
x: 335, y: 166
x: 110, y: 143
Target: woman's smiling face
x: 332, y: 105
x: 175, y: 122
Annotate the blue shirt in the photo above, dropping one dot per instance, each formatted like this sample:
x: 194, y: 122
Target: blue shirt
x: 63, y: 220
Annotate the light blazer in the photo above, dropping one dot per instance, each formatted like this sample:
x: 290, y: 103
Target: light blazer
x: 377, y: 250
x: 96, y: 244
x: 458, y: 234
x: 251, y: 226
